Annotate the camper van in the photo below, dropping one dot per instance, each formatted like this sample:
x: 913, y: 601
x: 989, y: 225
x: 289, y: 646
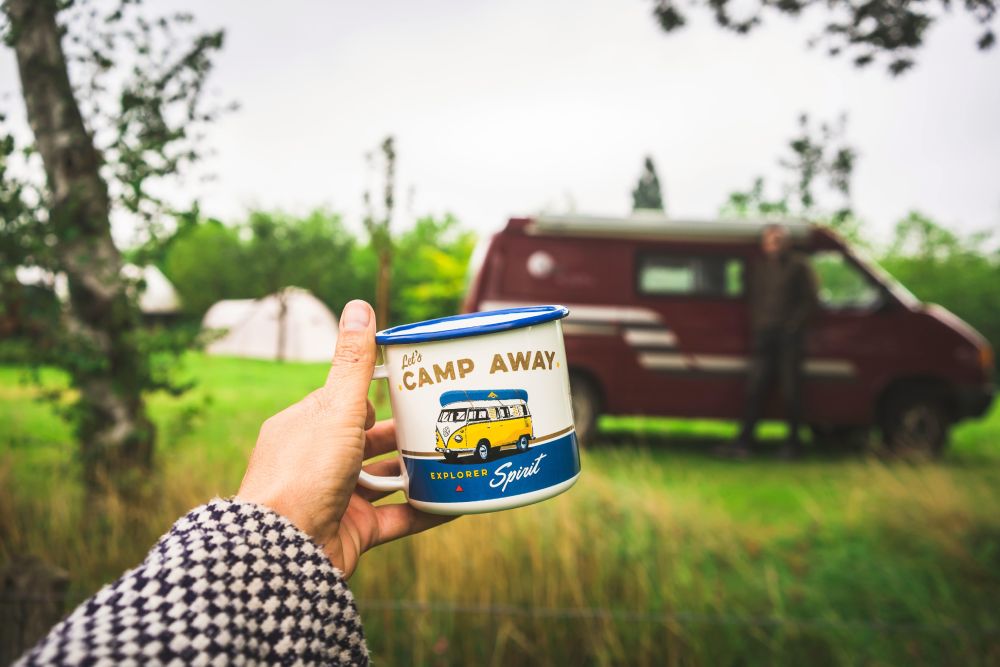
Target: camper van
x: 659, y: 325
x: 479, y: 423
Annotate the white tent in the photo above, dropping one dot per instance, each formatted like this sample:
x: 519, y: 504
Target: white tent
x: 252, y: 327
x: 159, y: 296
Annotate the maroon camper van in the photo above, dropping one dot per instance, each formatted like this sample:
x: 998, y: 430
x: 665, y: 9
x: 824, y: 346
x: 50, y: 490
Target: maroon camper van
x: 658, y: 325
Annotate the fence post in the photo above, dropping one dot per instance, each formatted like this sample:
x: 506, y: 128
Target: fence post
x: 32, y: 595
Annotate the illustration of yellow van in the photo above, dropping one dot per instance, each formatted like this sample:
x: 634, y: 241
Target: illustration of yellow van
x: 480, y: 422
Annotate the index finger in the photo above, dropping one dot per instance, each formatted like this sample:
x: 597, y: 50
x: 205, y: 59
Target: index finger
x: 380, y: 438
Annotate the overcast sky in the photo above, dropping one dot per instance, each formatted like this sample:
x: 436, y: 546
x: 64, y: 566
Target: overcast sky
x: 509, y: 107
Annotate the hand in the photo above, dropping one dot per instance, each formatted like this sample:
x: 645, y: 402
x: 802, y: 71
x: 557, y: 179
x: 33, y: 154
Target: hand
x: 306, y: 462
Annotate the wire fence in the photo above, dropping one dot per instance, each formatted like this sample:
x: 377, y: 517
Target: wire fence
x: 27, y: 618
x: 681, y: 617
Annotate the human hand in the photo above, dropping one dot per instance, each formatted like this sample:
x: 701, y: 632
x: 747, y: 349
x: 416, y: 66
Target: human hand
x: 306, y: 462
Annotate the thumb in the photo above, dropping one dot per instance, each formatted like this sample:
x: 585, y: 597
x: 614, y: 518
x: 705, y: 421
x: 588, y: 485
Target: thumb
x: 354, y: 361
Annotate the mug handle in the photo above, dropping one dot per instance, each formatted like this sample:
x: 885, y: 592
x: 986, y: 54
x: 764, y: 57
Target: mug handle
x: 374, y: 482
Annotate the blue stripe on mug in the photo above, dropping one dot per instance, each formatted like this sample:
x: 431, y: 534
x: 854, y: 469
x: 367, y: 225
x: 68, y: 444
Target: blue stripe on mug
x: 511, y: 473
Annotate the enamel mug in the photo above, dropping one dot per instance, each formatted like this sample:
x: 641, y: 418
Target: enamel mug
x: 482, y: 409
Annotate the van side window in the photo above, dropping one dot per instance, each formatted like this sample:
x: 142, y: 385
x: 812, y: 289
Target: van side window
x: 666, y: 275
x: 842, y: 285
x: 481, y: 415
x: 515, y: 411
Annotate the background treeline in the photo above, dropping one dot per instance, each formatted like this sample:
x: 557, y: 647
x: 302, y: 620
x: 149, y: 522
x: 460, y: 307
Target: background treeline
x: 961, y: 273
x: 208, y: 261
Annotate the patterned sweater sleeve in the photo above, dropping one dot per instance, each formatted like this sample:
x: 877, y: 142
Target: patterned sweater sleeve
x: 232, y: 583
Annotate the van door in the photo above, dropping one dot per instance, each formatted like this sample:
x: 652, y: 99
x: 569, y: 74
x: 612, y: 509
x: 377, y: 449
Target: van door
x: 846, y: 342
x: 484, y: 427
x: 506, y: 426
x: 694, y: 362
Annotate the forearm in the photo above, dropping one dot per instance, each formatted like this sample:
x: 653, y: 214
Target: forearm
x: 231, y: 581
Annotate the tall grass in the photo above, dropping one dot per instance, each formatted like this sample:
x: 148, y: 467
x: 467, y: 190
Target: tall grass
x: 659, y: 555
x: 616, y: 573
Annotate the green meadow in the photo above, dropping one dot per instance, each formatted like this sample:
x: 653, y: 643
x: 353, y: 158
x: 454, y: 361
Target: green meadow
x: 661, y: 554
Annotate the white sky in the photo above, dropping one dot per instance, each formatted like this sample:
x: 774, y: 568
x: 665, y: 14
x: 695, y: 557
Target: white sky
x: 508, y: 107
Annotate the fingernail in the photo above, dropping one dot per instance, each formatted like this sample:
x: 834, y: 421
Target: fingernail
x: 356, y: 316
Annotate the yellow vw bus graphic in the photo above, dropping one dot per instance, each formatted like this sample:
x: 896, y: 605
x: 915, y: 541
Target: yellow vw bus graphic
x: 479, y: 422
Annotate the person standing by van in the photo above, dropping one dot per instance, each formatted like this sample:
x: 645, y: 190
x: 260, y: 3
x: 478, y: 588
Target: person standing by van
x: 783, y: 295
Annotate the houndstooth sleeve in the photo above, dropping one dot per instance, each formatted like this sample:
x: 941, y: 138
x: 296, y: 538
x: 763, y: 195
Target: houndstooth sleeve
x: 232, y: 583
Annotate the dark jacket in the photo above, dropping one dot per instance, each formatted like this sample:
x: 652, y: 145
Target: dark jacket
x: 783, y: 294
x: 231, y: 583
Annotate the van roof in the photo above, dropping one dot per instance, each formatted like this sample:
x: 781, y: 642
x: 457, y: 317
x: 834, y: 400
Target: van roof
x: 472, y: 405
x: 645, y: 224
x: 450, y: 397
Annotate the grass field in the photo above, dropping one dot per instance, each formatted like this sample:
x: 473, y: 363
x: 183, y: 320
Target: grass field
x: 659, y: 555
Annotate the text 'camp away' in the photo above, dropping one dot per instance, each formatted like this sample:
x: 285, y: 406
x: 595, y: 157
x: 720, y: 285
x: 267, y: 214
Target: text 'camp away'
x: 510, y: 362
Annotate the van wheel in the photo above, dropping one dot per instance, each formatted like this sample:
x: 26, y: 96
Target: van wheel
x: 522, y: 443
x: 586, y: 404
x: 483, y: 450
x: 915, y: 424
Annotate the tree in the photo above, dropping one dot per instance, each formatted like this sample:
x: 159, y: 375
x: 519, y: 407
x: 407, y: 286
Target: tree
x: 272, y: 250
x: 207, y: 264
x: 432, y: 282
x: 818, y: 168
x: 891, y: 30
x: 123, y: 120
x: 647, y: 194
x: 313, y: 252
x: 379, y: 228
x: 322, y: 258
x: 961, y: 273
x: 264, y: 253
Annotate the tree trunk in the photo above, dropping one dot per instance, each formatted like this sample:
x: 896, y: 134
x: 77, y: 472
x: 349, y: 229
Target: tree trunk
x: 282, y: 318
x: 106, y: 366
x: 382, y: 286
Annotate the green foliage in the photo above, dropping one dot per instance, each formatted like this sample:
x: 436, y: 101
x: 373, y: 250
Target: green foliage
x: 142, y: 81
x: 129, y: 88
x: 206, y: 263
x: 429, y: 275
x: 818, y: 167
x: 270, y: 251
x: 24, y: 311
x: 313, y: 252
x: 754, y: 204
x: 647, y: 193
x: 939, y: 266
x: 886, y: 30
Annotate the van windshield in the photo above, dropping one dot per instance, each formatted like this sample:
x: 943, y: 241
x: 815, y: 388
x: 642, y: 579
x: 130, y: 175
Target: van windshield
x: 452, y: 416
x: 898, y: 289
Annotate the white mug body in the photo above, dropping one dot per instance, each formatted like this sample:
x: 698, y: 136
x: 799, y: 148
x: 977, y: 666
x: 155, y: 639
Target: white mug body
x: 483, y: 422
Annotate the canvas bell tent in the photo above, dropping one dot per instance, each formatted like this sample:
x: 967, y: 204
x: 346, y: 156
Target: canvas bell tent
x: 289, y: 325
x: 158, y: 296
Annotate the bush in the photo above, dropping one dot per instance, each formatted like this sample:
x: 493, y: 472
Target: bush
x: 209, y: 262
x: 961, y: 274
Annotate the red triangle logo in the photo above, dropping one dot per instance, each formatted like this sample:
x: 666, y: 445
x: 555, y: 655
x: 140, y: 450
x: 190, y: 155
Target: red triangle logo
x: 459, y: 488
